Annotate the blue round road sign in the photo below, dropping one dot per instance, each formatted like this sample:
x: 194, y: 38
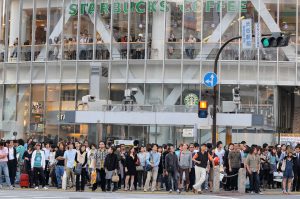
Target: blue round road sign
x: 210, y: 79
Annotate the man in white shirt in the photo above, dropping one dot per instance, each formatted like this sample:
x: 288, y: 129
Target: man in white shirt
x: 69, y: 156
x: 3, y: 165
x: 12, y: 162
x: 220, y: 152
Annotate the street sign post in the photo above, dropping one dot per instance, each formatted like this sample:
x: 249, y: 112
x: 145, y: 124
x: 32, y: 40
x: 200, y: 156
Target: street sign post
x: 247, y: 33
x: 210, y: 79
x: 257, y: 35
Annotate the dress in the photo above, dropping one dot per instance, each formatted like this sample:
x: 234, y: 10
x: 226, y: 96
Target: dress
x: 130, y: 164
x: 288, y: 172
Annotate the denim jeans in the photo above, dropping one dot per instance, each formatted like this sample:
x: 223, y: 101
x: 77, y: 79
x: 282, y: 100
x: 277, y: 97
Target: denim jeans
x: 59, y: 171
x: 254, y: 182
x: 4, y: 168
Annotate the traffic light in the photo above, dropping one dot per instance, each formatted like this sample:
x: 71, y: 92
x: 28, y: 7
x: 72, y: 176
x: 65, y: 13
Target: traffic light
x: 202, y: 109
x: 276, y: 40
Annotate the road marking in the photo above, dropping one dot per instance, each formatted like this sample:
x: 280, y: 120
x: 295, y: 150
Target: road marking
x: 223, y: 197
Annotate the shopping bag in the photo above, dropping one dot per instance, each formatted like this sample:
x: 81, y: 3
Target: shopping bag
x: 93, y: 177
x: 64, y: 181
x: 278, y: 176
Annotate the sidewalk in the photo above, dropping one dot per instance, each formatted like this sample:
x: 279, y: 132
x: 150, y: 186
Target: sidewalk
x: 221, y: 193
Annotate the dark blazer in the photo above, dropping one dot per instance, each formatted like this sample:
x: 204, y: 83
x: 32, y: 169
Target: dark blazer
x: 111, y: 162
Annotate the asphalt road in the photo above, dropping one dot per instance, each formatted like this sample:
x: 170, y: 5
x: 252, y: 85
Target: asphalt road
x: 58, y: 194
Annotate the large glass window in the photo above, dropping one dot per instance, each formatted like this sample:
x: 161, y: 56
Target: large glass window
x: 103, y: 31
x: 137, y: 29
x: 26, y: 31
x: 192, y: 28
x: 68, y: 92
x: 55, y: 21
x: 10, y: 100
x: 120, y: 31
x: 40, y: 29
x: 23, y: 107
x: 37, y: 121
x: 173, y: 31
x: 52, y: 110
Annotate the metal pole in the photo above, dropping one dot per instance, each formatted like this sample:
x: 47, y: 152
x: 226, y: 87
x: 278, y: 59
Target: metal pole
x: 214, y: 128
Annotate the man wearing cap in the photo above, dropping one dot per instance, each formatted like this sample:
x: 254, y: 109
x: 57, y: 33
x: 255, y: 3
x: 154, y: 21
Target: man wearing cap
x: 38, y: 164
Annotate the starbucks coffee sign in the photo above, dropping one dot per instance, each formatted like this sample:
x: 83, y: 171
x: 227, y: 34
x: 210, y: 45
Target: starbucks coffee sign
x: 191, y: 99
x: 156, y: 6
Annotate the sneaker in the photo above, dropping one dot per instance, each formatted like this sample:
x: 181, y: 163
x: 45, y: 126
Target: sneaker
x: 170, y: 191
x: 11, y: 187
x: 178, y: 191
x: 36, y: 188
x: 260, y: 193
x: 252, y: 192
x: 45, y: 188
x: 152, y: 190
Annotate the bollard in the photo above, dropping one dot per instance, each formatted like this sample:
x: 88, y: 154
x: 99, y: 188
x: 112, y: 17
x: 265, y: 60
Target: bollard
x: 216, y: 180
x: 242, y: 181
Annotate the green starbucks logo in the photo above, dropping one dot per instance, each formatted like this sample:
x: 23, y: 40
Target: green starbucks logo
x: 191, y: 99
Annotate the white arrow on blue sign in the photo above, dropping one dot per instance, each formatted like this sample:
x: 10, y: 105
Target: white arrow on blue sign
x: 210, y: 79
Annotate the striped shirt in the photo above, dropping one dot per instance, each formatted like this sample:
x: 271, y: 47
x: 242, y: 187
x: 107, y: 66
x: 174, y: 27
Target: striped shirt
x: 99, y: 158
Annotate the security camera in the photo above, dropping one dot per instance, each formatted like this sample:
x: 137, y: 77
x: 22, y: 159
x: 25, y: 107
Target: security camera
x: 134, y: 91
x: 88, y: 98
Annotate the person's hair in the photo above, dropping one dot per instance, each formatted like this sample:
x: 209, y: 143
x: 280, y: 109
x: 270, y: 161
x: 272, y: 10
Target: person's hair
x: 243, y: 142
x: 61, y: 143
x: 265, y: 145
x: 297, y: 146
x: 93, y: 145
x: 219, y: 143
x: 113, y: 148
x: 154, y: 145
x: 196, y: 145
x: 204, y: 144
x: 252, y: 149
x: 230, y: 144
x: 208, y: 145
x: 15, y: 141
x: 2, y: 143
x: 82, y: 146
x: 129, y: 152
x: 102, y: 142
x: 30, y: 147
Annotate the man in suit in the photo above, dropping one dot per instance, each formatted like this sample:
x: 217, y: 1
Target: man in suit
x: 296, y: 183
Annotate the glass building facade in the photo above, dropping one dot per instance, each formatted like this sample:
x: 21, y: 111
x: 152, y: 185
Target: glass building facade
x: 163, y: 48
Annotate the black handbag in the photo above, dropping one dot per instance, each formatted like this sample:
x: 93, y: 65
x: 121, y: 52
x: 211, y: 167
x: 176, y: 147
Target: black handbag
x: 77, y: 169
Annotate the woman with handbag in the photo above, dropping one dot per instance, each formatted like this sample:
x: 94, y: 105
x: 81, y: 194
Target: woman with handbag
x: 111, y: 165
x: 80, y: 169
x: 130, y: 168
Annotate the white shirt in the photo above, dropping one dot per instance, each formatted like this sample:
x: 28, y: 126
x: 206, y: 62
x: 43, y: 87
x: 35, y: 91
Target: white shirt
x: 220, y: 155
x: 51, y: 158
x: 11, y: 153
x: 47, y: 153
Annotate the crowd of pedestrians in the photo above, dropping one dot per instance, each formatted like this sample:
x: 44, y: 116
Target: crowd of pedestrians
x: 188, y: 167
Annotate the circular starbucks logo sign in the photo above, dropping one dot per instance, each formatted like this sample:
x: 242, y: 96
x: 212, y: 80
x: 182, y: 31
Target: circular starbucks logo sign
x: 191, y: 99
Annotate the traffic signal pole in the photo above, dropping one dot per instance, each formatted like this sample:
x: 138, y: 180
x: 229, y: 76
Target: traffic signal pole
x: 214, y: 127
